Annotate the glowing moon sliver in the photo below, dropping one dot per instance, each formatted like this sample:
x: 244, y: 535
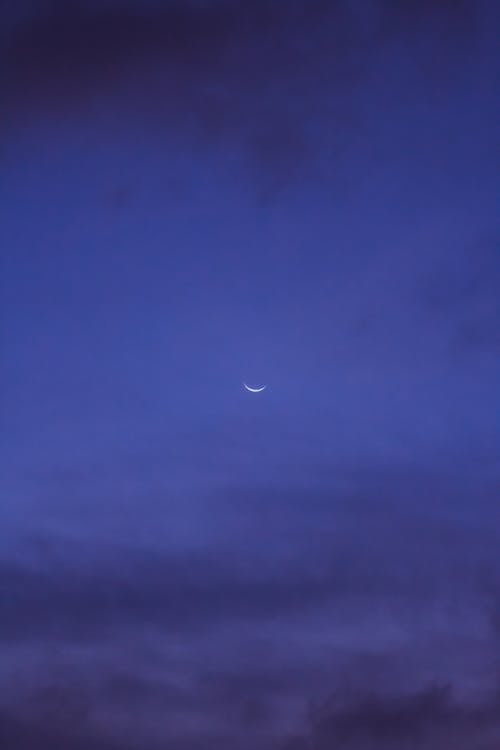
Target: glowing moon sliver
x: 254, y: 390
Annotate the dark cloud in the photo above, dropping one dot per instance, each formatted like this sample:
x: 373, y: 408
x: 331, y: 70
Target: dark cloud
x: 247, y: 573
x: 70, y: 50
x: 429, y: 718
x: 173, y: 594
x: 72, y: 45
x: 260, y: 74
x: 125, y: 594
x: 24, y: 733
x: 282, y: 568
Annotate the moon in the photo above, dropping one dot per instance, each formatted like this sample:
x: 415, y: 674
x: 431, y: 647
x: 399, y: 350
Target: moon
x: 254, y: 390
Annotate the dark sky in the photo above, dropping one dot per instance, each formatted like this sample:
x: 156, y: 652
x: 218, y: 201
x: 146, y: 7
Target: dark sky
x: 299, y: 194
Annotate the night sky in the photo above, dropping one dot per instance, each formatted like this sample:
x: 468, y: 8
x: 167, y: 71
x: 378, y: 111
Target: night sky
x: 299, y: 194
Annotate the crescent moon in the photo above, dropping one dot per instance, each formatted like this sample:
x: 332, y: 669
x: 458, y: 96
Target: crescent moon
x: 254, y: 390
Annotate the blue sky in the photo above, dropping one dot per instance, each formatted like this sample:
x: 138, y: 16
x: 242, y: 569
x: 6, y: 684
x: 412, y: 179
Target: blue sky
x: 195, y: 195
